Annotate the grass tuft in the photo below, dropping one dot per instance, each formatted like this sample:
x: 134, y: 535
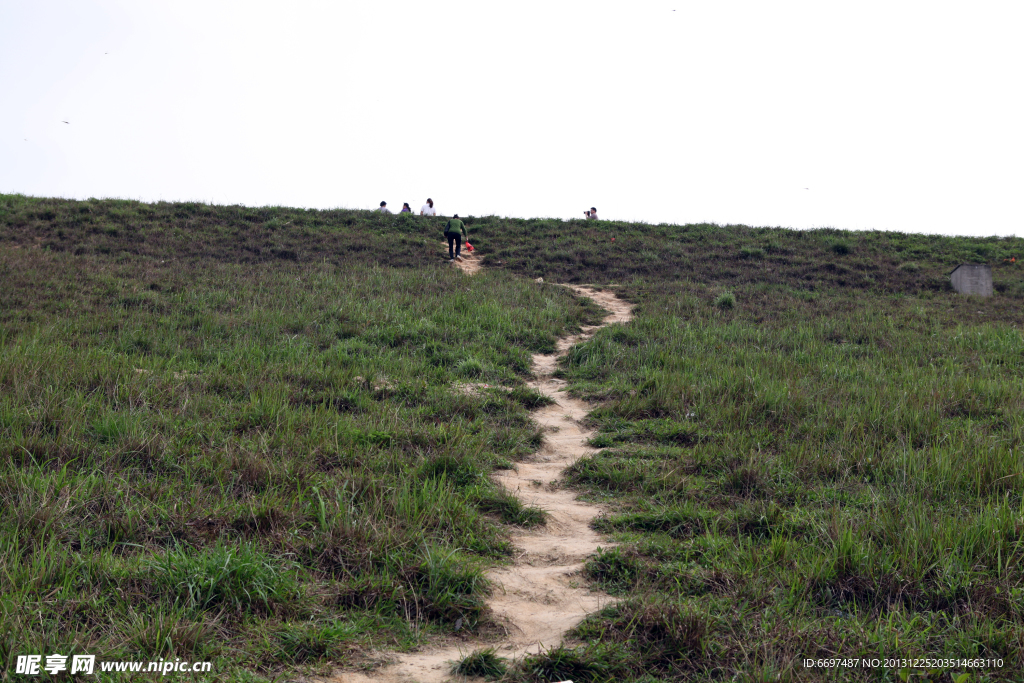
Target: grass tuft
x: 236, y: 579
x: 482, y: 663
x: 841, y: 247
x: 470, y: 367
x: 531, y: 399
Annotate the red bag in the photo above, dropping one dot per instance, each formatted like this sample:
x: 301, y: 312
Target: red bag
x: 469, y: 247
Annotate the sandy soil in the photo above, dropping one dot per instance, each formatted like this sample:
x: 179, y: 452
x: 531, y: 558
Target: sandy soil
x: 543, y: 594
x: 470, y: 262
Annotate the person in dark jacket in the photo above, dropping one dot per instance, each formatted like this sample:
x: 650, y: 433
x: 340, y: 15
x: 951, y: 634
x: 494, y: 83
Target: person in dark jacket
x: 454, y: 231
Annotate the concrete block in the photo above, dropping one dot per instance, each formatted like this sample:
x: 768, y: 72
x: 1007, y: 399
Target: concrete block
x: 972, y: 278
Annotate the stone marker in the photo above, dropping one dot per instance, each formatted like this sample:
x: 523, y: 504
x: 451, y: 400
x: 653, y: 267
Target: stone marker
x: 972, y: 278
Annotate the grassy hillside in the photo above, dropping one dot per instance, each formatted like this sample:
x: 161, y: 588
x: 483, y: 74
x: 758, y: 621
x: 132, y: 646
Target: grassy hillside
x: 801, y: 485
x: 263, y: 464
x: 238, y: 434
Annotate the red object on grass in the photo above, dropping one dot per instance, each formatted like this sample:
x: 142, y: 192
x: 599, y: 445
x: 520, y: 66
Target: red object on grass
x: 613, y: 239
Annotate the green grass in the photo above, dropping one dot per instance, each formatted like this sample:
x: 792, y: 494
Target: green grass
x: 725, y: 301
x: 817, y: 478
x: 242, y: 434
x: 259, y: 463
x: 483, y: 663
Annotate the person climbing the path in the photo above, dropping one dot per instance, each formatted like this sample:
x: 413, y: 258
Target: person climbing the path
x: 454, y: 230
x: 428, y: 208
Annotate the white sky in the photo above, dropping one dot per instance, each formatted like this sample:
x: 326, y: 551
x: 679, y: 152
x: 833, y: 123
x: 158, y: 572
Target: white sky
x: 895, y: 115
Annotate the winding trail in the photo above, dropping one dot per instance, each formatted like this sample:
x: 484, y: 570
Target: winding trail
x: 469, y: 264
x: 542, y: 595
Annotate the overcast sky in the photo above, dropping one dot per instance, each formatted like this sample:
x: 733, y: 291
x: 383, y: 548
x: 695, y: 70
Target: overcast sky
x: 889, y: 115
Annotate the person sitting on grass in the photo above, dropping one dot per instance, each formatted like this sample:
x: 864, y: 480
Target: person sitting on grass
x: 405, y: 208
x: 454, y: 230
x: 428, y: 208
x: 384, y: 208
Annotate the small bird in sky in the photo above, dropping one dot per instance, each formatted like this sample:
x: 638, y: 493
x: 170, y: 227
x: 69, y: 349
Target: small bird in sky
x: 65, y: 122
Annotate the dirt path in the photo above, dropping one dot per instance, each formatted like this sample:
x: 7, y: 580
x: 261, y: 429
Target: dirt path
x: 470, y: 262
x: 542, y: 595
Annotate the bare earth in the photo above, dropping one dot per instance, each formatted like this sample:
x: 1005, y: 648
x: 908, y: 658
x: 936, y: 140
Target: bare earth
x: 542, y: 595
x: 470, y: 262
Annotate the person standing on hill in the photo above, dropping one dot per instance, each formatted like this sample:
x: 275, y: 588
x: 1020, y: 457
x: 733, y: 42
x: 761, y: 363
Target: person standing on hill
x: 428, y: 208
x: 591, y: 215
x: 454, y: 230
